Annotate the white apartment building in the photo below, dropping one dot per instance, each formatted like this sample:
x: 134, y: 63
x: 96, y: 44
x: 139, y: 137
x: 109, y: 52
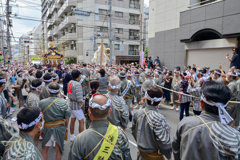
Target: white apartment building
x: 63, y: 27
x: 36, y: 37
x: 183, y: 32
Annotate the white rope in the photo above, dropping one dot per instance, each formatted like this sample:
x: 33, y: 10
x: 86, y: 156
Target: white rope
x: 237, y: 102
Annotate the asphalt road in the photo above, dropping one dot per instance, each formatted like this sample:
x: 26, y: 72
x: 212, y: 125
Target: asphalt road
x: 171, y: 116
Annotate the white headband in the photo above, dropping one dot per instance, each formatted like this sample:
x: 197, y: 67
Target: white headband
x: 129, y: 75
x: 147, y: 73
x: 32, y: 72
x: 53, y: 90
x: 155, y: 99
x: 52, y: 72
x: 224, y: 116
x: 55, y: 77
x: 25, y: 126
x: 121, y: 75
x: 200, y: 73
x: 95, y: 105
x: 115, y: 87
x: 141, y: 69
x: 136, y: 74
x: 37, y: 88
x: 3, y: 80
x: 48, y: 80
x: 238, y: 73
x: 217, y: 72
x: 19, y: 73
x: 232, y: 74
x: 157, y: 73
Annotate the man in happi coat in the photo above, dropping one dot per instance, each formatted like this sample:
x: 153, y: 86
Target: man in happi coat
x: 75, y: 95
x: 31, y: 76
x: 120, y: 114
x: 56, y: 114
x: 21, y: 146
x: 18, y: 89
x: 33, y: 97
x: 175, y: 96
x: 149, y: 82
x: 91, y: 145
x: 141, y: 75
x: 47, y: 78
x: 208, y: 136
x: 126, y: 91
x: 150, y: 129
x: 138, y: 89
x: 217, y: 76
x: 3, y: 100
x: 233, y: 108
x: 86, y: 72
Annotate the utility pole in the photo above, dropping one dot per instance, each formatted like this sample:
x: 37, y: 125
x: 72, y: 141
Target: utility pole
x: 140, y: 39
x: 110, y: 28
x: 8, y: 12
x: 94, y: 45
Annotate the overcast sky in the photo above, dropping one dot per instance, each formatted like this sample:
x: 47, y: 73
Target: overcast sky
x: 28, y: 10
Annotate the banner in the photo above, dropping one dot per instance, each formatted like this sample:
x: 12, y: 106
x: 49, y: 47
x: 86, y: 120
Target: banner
x: 142, y: 57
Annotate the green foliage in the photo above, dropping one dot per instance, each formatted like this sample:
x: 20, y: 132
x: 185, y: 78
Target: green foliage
x: 146, y: 52
x: 68, y: 61
x: 1, y: 58
x: 34, y: 58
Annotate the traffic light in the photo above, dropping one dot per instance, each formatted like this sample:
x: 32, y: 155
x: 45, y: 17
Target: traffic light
x: 27, y: 41
x: 87, y: 53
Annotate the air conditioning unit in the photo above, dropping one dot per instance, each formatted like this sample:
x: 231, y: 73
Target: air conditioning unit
x: 74, y: 48
x: 72, y: 42
x: 72, y: 25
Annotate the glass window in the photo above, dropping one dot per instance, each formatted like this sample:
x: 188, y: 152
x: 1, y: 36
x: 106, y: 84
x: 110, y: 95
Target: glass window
x: 119, y: 14
x: 119, y: 30
x: 117, y: 46
x: 102, y: 11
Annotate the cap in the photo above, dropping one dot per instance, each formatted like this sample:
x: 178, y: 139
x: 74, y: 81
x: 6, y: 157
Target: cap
x: 178, y: 67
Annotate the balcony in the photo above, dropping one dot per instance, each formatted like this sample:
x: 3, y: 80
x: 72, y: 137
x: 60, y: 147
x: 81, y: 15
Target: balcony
x: 55, y: 18
x: 133, y: 5
x: 133, y: 37
x: 55, y: 6
x: 66, y: 7
x: 50, y: 33
x: 68, y: 37
x: 66, y: 22
x: 49, y: 23
x: 49, y: 12
x: 134, y: 21
x: 55, y: 30
x: 135, y: 53
x: 71, y: 53
x: 59, y: 1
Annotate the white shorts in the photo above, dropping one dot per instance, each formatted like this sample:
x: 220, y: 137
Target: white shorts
x: 50, y: 142
x: 77, y: 114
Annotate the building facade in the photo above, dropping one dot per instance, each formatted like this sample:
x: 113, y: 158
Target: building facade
x: 183, y: 32
x: 72, y: 33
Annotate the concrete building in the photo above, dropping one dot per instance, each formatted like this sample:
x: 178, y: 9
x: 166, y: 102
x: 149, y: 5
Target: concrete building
x: 35, y: 48
x: 183, y: 32
x: 73, y: 34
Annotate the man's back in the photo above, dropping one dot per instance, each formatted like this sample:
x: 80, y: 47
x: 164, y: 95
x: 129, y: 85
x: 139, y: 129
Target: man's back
x: 85, y: 71
x: 86, y: 141
x: 235, y: 61
x: 195, y: 141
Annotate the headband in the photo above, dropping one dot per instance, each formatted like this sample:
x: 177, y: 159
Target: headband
x: 52, y: 72
x: 25, y: 126
x: 37, y: 88
x: 121, y: 75
x: 238, y: 73
x: 48, y: 80
x: 115, y: 87
x: 224, y: 116
x: 155, y: 99
x: 53, y: 90
x: 157, y: 70
x: 19, y: 73
x: 129, y: 75
x: 203, y: 79
x: 136, y: 74
x: 141, y: 69
x: 157, y: 73
x: 147, y: 73
x: 200, y: 73
x: 232, y: 74
x: 32, y: 72
x: 217, y: 72
x: 3, y: 80
x: 95, y: 105
x: 55, y: 77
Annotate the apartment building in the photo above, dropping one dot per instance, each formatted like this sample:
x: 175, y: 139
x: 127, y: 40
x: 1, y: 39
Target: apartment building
x: 35, y: 48
x: 72, y: 33
x: 183, y: 32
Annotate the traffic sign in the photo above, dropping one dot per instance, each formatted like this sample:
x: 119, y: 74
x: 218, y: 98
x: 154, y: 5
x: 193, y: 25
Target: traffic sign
x: 91, y: 39
x: 8, y: 56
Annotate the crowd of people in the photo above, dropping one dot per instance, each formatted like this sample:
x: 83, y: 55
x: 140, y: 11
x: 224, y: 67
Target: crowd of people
x: 102, y: 100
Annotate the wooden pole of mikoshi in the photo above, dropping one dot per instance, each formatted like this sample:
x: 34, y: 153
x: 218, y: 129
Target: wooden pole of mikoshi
x: 101, y: 54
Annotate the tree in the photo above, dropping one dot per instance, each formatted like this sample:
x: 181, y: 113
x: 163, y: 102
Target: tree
x: 146, y: 52
x: 1, y: 58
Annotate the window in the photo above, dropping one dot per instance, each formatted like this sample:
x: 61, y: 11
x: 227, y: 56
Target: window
x: 119, y: 14
x: 103, y: 29
x: 119, y: 30
x: 117, y: 46
x: 102, y: 11
x: 105, y: 45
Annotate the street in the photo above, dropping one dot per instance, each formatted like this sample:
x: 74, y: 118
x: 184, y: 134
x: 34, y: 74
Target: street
x: 171, y: 116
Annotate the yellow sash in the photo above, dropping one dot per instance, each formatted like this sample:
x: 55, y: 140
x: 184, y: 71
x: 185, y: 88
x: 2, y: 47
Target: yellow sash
x: 108, y: 143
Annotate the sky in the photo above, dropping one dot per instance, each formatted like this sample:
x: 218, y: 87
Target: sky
x: 27, y: 9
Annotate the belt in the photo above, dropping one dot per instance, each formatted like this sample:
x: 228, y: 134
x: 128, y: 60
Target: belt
x: 55, y: 123
x: 233, y: 103
x: 138, y: 89
x: 127, y: 97
x: 84, y: 86
x: 152, y: 156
